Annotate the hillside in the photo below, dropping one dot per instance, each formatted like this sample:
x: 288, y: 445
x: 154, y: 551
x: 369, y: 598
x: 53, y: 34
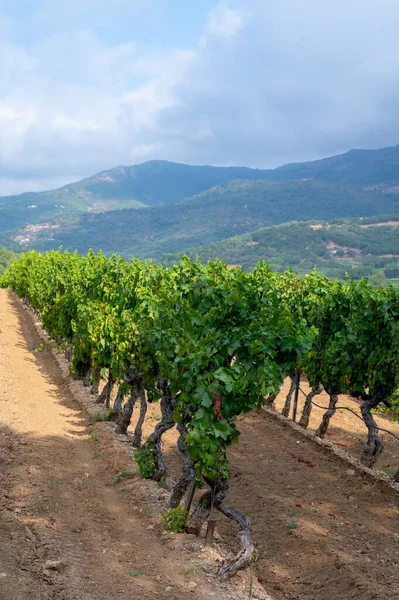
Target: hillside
x: 154, y: 183
x: 357, y: 246
x: 221, y: 212
x: 169, y: 207
x: 362, y: 167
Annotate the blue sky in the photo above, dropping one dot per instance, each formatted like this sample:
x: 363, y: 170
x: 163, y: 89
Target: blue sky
x: 86, y: 85
x: 163, y: 23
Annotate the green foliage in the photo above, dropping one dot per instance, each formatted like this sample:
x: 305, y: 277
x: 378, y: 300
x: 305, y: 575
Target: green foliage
x: 354, y: 246
x: 134, y: 573
x: 378, y: 280
x: 393, y: 411
x: 7, y: 257
x: 99, y: 418
x: 145, y: 459
x: 42, y: 348
x: 222, y: 338
x: 122, y: 477
x: 175, y: 520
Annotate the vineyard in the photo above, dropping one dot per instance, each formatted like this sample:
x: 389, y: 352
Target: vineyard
x: 210, y: 344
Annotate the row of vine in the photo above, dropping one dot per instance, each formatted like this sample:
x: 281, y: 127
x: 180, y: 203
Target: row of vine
x: 210, y: 343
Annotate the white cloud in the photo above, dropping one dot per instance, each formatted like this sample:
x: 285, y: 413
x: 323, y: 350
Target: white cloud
x: 265, y: 83
x: 224, y: 22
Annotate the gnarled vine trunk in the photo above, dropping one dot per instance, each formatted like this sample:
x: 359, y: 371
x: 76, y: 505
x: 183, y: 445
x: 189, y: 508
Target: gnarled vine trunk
x: 105, y: 396
x: 214, y: 498
x: 111, y: 384
x: 321, y: 432
x: 200, y: 514
x: 117, y: 410
x: 126, y: 417
x: 86, y: 378
x: 307, y: 408
x: 135, y: 381
x: 270, y: 399
x: 287, y: 405
x: 188, y: 473
x: 68, y: 351
x: 96, y: 382
x: 166, y: 423
x: 373, y: 447
x: 138, y: 431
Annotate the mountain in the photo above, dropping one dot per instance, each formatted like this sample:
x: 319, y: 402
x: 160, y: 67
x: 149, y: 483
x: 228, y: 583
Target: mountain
x: 160, y: 206
x: 154, y: 183
x: 355, y: 246
x: 361, y: 167
x: 219, y: 213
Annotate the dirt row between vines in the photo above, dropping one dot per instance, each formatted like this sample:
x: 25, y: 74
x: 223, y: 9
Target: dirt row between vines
x: 323, y: 531
x: 346, y: 430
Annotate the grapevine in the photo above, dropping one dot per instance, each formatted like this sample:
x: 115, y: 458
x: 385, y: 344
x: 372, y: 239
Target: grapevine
x: 210, y: 344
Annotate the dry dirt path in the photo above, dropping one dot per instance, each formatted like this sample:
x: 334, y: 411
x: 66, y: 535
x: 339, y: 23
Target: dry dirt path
x: 65, y: 533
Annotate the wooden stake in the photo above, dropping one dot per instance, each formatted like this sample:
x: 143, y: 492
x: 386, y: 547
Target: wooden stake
x: 295, y: 408
x: 210, y: 530
x: 190, y: 495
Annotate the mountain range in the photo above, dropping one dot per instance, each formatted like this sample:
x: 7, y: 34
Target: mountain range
x: 159, y: 207
x: 154, y: 183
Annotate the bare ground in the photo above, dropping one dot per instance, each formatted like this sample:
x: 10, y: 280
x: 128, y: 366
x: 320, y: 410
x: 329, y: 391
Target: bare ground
x: 324, y: 531
x: 346, y: 430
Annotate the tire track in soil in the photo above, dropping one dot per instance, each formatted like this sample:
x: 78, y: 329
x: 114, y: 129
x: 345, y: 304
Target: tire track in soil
x: 65, y: 534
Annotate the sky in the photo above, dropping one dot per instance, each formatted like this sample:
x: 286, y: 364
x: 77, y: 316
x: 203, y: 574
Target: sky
x: 87, y: 85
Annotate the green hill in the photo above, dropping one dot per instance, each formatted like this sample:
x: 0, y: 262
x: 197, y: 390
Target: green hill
x: 357, y: 246
x: 219, y: 213
x: 362, y: 167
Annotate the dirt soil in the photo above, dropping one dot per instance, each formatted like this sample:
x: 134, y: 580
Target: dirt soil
x: 323, y: 530
x: 346, y: 430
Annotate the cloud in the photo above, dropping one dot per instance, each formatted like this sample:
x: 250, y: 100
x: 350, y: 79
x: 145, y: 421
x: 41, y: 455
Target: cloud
x: 264, y: 83
x: 296, y: 81
x: 223, y: 22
